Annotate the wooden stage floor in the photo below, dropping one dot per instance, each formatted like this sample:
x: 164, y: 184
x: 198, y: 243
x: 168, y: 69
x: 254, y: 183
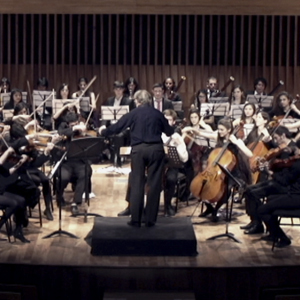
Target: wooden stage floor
x: 239, y: 269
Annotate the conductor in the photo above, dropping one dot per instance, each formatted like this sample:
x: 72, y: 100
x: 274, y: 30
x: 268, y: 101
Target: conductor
x: 147, y: 155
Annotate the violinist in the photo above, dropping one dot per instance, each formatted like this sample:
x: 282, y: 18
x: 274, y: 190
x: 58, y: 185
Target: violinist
x: 199, y: 153
x: 284, y: 104
x: 72, y: 169
x: 169, y: 86
x: 289, y: 177
x: 14, y: 204
x: 239, y: 150
x: 253, y: 194
x: 82, y: 84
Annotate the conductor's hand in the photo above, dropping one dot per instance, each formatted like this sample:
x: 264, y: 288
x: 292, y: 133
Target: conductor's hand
x: 101, y: 129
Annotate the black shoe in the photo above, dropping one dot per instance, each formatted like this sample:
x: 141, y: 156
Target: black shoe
x: 125, y: 212
x: 255, y: 229
x: 134, y: 224
x: 206, y: 213
x: 74, y: 210
x: 283, y: 243
x: 48, y: 214
x: 18, y: 234
x: 248, y: 226
x: 149, y: 224
x: 268, y: 238
x: 170, y: 212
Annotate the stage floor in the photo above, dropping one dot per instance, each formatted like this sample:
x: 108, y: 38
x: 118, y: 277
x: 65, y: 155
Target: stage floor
x: 110, y: 190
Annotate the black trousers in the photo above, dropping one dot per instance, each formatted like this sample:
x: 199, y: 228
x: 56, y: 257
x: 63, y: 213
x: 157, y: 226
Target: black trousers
x: 73, y: 169
x: 255, y: 193
x: 286, y: 202
x: 150, y: 158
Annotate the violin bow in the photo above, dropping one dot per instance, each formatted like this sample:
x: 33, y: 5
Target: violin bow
x: 51, y: 95
x: 88, y: 118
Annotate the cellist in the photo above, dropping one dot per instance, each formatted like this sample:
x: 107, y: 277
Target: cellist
x: 241, y: 153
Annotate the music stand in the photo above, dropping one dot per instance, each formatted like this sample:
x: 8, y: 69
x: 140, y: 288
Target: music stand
x: 228, y: 212
x: 84, y: 104
x: 218, y: 99
x: 173, y: 159
x: 237, y: 110
x: 59, y: 231
x: 86, y: 149
x: 177, y: 105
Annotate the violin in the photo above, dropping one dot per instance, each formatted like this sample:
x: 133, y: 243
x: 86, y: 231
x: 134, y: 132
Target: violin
x: 284, y: 163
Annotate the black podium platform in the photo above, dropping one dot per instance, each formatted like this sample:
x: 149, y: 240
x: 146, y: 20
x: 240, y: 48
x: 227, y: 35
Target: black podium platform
x: 169, y: 237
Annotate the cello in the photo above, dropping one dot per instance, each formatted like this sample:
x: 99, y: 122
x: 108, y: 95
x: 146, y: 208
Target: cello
x: 210, y: 185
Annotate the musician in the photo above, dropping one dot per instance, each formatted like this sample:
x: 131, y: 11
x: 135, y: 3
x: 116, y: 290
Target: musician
x: 212, y: 88
x: 82, y: 84
x: 169, y: 86
x: 254, y: 194
x: 201, y: 97
x: 283, y: 104
x: 72, y: 169
x: 247, y: 116
x: 289, y: 177
x: 42, y: 84
x: 14, y: 204
x: 260, y: 85
x: 158, y: 100
x: 131, y: 86
x: 171, y: 173
x: 4, y: 85
x: 199, y: 153
x: 237, y: 95
x: 121, y: 139
x: 15, y: 98
x: 240, y: 151
x: 146, y: 126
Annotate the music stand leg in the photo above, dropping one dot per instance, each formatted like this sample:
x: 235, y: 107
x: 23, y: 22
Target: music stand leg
x: 60, y: 231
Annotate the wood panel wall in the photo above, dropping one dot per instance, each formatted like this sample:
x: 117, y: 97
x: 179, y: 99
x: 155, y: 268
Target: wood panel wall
x: 64, y: 48
x: 212, y: 7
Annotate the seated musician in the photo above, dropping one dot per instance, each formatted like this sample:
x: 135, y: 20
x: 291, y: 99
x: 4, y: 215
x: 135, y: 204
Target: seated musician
x: 4, y: 85
x: 72, y: 168
x: 169, y: 86
x: 256, y: 193
x: 241, y: 170
x: 199, y: 152
x: 283, y: 105
x: 289, y: 177
x: 260, y: 84
x: 171, y: 173
x: 201, y: 97
x: 158, y: 100
x: 15, y: 98
x: 123, y: 138
x: 13, y: 203
x: 237, y: 95
x: 82, y: 84
x: 131, y: 86
x: 212, y: 88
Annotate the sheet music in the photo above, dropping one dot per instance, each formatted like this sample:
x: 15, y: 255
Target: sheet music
x: 218, y: 99
x: 110, y: 113
x: 261, y: 100
x: 84, y: 104
x: 237, y: 110
x: 177, y: 105
x: 215, y: 109
x: 40, y: 96
x: 247, y: 129
x: 7, y: 113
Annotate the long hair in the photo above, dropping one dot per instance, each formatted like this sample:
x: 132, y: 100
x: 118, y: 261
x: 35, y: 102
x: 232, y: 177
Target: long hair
x: 58, y: 93
x: 243, y: 97
x: 243, y: 116
x: 226, y: 122
x: 11, y: 100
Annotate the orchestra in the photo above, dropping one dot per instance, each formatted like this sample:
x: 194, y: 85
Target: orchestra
x: 247, y: 139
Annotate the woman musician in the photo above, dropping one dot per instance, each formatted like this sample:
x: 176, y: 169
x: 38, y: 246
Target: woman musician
x: 170, y: 92
x: 237, y: 147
